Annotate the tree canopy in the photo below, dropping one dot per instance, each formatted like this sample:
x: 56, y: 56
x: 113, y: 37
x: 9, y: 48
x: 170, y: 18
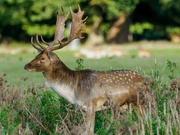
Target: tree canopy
x: 114, y: 20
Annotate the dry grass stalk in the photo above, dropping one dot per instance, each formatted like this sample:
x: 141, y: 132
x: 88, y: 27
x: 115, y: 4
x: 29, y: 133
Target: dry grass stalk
x: 122, y: 122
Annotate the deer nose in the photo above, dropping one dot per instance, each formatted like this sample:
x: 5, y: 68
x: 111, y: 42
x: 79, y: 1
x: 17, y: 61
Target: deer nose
x: 27, y: 65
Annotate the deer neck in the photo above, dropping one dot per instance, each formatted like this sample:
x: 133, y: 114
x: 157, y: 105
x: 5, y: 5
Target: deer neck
x: 58, y: 73
x: 60, y: 79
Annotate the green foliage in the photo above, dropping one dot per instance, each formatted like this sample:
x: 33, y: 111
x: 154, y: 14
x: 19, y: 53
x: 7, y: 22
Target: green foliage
x: 29, y: 17
x: 173, y: 30
x: 112, y: 8
x: 79, y: 64
x: 171, y: 10
x: 38, y: 17
x: 23, y: 18
x: 139, y: 28
x: 172, y: 66
x: 104, y: 13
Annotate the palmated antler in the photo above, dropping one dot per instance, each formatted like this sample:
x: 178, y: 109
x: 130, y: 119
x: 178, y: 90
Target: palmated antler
x: 76, y: 28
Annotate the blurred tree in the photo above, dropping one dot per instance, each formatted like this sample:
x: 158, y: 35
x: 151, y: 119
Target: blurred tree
x: 108, y: 19
x: 23, y: 18
x: 11, y: 18
x: 155, y: 19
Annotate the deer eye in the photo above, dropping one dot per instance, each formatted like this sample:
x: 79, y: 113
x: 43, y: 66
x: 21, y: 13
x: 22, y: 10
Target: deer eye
x: 42, y: 59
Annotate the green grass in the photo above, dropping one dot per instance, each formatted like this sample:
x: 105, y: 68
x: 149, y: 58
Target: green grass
x: 13, y: 65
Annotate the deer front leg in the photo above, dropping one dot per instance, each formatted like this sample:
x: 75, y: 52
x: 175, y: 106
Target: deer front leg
x: 90, y: 119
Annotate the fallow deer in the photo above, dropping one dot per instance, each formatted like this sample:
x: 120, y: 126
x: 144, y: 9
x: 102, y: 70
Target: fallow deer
x: 144, y: 52
x: 89, y: 89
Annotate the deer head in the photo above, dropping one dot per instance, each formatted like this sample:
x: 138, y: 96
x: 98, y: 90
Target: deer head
x: 46, y: 58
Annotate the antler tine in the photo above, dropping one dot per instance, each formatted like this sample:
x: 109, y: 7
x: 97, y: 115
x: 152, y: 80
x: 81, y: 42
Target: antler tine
x: 62, y: 10
x: 44, y: 41
x: 37, y: 40
x: 76, y: 27
x: 84, y: 20
x: 35, y: 45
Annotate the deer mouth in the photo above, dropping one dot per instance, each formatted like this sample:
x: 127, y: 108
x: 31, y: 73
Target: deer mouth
x: 29, y: 68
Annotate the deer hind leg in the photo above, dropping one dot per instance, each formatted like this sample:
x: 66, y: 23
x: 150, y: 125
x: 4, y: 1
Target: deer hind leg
x: 138, y: 101
x: 90, y: 121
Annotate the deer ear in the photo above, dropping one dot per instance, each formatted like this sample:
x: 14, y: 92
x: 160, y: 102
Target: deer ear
x: 39, y: 51
x: 49, y: 54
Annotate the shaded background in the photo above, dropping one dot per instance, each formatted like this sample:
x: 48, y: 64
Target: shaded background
x: 109, y: 21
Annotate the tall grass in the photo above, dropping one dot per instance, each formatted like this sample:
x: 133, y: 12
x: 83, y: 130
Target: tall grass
x: 35, y: 110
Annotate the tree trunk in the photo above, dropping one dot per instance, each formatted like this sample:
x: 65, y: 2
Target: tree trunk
x: 119, y: 31
x: 95, y: 35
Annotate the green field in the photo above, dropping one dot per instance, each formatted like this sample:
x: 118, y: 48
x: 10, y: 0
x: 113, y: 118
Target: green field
x: 13, y: 65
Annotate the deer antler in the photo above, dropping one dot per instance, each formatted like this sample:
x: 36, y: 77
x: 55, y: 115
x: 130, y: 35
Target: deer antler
x: 60, y: 23
x: 37, y: 40
x: 77, y: 24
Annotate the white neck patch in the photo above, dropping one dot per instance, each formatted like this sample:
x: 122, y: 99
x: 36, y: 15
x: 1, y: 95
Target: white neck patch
x: 63, y: 90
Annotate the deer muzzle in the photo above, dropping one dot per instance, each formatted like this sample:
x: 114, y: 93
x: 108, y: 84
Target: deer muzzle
x: 29, y: 67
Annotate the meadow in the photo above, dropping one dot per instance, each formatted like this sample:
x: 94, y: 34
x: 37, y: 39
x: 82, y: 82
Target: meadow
x: 27, y: 107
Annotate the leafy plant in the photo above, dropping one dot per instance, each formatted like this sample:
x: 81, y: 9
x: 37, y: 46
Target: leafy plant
x: 173, y: 30
x: 79, y: 63
x: 139, y: 28
x: 172, y: 66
